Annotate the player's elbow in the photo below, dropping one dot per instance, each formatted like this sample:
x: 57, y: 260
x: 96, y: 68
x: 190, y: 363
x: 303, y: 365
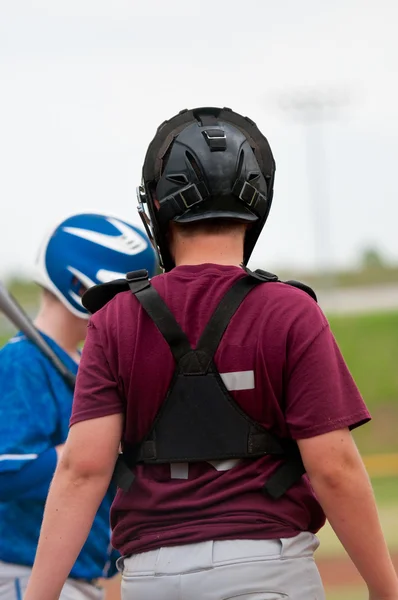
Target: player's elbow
x: 81, y: 468
x: 92, y: 448
x: 333, y: 476
x: 330, y: 459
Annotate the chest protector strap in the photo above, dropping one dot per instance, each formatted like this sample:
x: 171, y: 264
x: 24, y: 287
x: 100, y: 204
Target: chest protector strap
x: 199, y: 420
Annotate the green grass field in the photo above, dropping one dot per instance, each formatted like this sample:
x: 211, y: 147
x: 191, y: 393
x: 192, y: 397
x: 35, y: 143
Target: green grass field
x: 369, y: 344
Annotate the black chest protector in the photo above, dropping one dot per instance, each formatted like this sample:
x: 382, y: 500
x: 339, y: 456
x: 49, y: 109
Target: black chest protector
x: 199, y: 420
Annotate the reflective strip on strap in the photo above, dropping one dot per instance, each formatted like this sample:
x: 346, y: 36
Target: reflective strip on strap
x: 179, y: 470
x: 225, y: 465
x: 239, y: 380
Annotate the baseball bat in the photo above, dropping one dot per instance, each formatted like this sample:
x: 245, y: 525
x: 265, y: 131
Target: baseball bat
x: 15, y: 313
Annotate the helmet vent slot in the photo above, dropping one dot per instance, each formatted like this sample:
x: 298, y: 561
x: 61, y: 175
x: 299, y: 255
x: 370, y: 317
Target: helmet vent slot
x: 165, y: 158
x: 240, y: 164
x: 253, y: 176
x: 194, y: 165
x: 177, y: 178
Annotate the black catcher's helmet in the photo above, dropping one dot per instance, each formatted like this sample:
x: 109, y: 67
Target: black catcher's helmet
x: 206, y: 163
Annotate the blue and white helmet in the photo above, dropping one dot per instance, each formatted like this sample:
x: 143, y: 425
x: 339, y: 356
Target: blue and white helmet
x: 87, y: 249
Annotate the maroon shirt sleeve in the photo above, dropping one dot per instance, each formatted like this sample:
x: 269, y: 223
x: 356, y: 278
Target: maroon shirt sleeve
x: 96, y: 392
x: 321, y: 395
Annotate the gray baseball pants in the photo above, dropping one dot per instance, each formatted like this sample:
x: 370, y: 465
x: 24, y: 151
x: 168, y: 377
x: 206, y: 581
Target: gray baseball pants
x: 239, y: 569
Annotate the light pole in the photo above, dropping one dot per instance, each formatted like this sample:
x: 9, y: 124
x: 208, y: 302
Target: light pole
x: 313, y: 108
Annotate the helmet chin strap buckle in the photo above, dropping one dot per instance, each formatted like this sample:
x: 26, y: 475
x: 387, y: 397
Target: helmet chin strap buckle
x: 246, y: 192
x: 191, y: 195
x: 146, y: 221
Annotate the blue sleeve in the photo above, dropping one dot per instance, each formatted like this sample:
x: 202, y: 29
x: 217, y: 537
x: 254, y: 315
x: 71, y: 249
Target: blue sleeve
x: 32, y: 481
x: 28, y: 411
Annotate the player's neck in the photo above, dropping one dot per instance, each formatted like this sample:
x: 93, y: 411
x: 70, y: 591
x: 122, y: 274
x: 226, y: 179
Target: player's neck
x: 216, y: 249
x: 62, y: 326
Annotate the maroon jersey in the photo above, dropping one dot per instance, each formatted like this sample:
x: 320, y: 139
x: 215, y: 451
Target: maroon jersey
x: 280, y: 362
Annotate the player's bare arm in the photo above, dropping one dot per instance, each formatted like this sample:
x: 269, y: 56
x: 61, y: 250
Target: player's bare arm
x: 342, y: 486
x: 80, y: 482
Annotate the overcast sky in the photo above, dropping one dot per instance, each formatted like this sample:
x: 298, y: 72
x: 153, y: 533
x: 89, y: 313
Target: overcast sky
x: 84, y: 84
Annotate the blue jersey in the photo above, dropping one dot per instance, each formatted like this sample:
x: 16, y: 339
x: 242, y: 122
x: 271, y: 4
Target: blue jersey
x: 35, y: 408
